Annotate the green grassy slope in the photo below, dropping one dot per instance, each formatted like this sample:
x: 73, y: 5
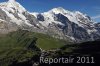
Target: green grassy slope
x: 21, y: 46
x: 17, y: 46
x: 48, y: 43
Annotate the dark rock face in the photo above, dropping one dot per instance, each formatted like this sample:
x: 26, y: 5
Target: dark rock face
x: 61, y: 18
x: 32, y: 20
x: 79, y: 32
x: 72, y: 29
x: 40, y: 17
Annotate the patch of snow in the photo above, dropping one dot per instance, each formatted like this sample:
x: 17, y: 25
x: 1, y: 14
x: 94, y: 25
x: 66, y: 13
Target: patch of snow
x: 35, y: 14
x: 22, y: 16
x: 27, y: 23
x: 71, y: 37
x: 2, y: 20
x: 91, y: 31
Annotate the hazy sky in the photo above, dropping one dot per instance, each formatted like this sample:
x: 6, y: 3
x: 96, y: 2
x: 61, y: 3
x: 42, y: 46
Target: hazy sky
x: 90, y: 7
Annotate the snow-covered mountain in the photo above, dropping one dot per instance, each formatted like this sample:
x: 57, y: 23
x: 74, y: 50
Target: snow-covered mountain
x: 13, y: 13
x: 58, y: 22
x: 74, y: 25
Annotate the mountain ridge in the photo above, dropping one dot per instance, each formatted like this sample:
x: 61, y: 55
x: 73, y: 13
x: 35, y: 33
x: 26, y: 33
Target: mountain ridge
x: 58, y: 22
x: 63, y: 17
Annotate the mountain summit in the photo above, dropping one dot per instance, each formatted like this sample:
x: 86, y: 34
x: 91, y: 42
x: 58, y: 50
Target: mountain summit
x: 57, y: 22
x: 13, y: 13
x: 74, y: 25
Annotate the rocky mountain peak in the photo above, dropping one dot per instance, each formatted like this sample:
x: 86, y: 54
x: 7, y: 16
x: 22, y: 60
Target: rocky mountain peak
x: 59, y: 10
x: 12, y: 5
x: 13, y: 12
